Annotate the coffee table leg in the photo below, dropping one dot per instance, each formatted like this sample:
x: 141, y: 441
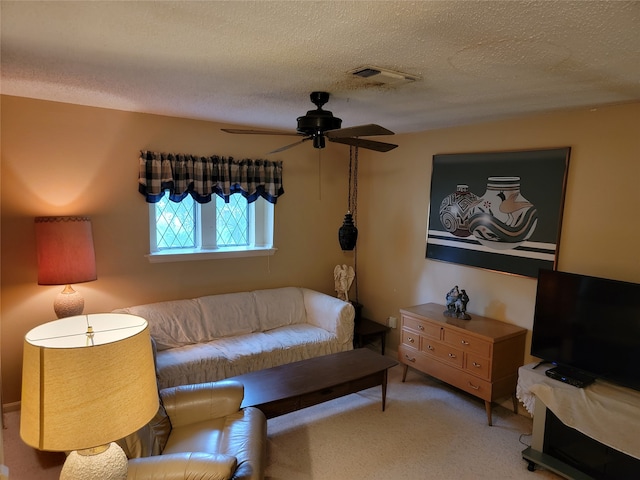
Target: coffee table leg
x: 384, y: 389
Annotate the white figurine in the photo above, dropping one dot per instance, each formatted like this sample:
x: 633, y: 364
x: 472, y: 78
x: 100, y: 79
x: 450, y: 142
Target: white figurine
x: 343, y: 276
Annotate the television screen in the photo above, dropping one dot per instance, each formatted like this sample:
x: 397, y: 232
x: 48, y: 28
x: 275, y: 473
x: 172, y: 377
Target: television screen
x: 589, y: 324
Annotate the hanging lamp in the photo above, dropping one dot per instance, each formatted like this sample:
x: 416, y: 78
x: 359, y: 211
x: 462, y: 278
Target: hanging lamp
x: 348, y: 232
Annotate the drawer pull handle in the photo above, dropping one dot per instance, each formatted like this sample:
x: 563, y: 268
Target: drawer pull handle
x: 411, y: 359
x: 429, y: 347
x: 411, y: 340
x: 452, y: 355
x: 421, y: 327
x: 476, y: 364
x: 464, y: 342
x: 473, y: 386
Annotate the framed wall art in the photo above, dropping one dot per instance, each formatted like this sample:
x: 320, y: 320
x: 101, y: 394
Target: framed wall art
x: 499, y: 211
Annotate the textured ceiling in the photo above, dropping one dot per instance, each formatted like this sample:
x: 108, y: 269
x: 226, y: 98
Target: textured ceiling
x: 255, y: 63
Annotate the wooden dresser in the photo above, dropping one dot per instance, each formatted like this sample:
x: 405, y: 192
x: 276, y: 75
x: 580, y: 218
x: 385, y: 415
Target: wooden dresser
x: 480, y: 356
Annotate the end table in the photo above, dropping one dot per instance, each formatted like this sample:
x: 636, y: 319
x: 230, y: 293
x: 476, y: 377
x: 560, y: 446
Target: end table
x: 368, y: 328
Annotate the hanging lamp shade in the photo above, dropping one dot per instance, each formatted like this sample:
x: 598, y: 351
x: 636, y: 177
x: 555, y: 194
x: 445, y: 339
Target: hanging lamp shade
x: 348, y: 233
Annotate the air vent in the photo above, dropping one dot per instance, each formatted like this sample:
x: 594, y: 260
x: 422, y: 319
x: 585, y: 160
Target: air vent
x: 383, y: 75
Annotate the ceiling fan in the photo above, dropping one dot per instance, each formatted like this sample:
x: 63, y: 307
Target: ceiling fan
x: 319, y: 124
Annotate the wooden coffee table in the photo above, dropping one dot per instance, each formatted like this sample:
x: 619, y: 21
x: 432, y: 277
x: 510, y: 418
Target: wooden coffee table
x: 298, y: 385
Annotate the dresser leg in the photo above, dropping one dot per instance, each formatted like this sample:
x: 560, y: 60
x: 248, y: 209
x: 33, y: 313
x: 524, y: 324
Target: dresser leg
x: 487, y: 406
x: 405, y: 367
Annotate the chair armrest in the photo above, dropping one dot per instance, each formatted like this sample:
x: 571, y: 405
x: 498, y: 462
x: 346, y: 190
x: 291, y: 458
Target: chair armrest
x: 188, y: 404
x: 181, y: 466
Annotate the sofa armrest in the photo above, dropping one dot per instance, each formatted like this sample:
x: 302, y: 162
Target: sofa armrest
x: 188, y: 404
x: 182, y: 466
x: 331, y: 313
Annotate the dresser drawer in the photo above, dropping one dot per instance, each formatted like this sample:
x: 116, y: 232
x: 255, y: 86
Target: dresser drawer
x: 424, y: 328
x: 442, y: 351
x: 467, y: 343
x: 411, y: 339
x: 478, y: 366
x: 473, y: 385
x: 409, y: 356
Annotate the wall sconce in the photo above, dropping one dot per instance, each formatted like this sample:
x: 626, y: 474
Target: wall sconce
x: 88, y: 381
x: 65, y: 256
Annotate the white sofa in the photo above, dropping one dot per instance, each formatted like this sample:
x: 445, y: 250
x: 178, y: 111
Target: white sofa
x: 219, y: 336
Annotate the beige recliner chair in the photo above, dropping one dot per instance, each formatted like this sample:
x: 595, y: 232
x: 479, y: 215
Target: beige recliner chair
x: 200, y: 432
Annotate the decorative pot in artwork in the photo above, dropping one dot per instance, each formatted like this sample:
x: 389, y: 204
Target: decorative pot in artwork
x: 455, y: 210
x: 502, y: 218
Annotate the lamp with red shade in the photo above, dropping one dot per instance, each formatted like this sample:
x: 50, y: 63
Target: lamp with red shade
x: 65, y: 256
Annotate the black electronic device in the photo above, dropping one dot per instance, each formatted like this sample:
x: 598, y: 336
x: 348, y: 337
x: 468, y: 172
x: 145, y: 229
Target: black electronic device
x: 570, y: 376
x: 589, y: 327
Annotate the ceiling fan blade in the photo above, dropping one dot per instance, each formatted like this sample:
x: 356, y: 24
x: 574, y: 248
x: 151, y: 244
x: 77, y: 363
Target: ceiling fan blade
x: 364, y: 143
x: 257, y: 132
x: 358, y: 131
x: 287, y: 147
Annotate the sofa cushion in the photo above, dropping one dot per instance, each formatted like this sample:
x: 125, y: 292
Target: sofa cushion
x: 301, y: 342
x: 228, y: 314
x: 172, y: 324
x: 278, y: 307
x: 198, y: 363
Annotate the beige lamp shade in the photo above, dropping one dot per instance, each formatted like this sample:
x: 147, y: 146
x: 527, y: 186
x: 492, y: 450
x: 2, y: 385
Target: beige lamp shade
x: 87, y: 380
x: 65, y: 250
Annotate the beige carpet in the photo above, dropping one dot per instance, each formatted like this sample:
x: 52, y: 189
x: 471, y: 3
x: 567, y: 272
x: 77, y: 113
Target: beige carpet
x: 24, y: 462
x: 429, y: 431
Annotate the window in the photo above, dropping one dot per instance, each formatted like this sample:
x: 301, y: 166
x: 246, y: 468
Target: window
x: 188, y: 230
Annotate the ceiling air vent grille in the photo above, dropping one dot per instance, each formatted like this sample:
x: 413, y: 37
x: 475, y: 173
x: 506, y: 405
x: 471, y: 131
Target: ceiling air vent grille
x: 383, y: 75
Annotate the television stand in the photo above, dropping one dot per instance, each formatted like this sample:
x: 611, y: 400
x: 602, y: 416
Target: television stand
x: 581, y: 434
x: 570, y: 376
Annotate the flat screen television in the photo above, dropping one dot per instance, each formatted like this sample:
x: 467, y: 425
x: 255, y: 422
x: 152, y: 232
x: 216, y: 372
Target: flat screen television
x: 588, y: 327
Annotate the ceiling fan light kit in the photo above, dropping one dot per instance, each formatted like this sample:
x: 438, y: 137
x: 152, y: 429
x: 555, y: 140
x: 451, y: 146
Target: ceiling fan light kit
x: 319, y: 124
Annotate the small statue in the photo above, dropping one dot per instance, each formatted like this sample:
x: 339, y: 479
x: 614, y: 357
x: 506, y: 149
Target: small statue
x: 457, y: 300
x: 343, y: 276
x: 452, y: 298
x: 461, y: 305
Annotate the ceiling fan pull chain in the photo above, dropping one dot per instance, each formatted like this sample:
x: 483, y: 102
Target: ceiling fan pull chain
x: 350, y: 170
x: 319, y: 176
x: 355, y: 187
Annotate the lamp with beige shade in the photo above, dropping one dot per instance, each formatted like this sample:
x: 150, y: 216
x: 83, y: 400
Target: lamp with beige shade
x: 88, y: 381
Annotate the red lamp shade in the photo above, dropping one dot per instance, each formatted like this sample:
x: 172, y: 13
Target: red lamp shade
x: 65, y: 256
x: 65, y: 250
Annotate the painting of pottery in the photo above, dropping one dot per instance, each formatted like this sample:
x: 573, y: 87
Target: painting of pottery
x: 500, y: 211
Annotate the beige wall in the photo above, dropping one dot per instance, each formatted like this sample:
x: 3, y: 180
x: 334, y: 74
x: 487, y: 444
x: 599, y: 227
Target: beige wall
x: 600, y: 231
x: 61, y: 159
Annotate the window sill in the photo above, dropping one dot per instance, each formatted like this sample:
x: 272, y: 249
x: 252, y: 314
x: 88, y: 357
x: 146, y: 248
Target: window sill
x: 190, y: 255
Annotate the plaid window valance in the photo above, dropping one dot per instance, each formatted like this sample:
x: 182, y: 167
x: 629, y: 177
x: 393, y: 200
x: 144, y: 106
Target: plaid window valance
x: 202, y: 177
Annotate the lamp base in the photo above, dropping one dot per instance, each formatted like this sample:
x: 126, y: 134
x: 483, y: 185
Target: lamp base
x: 109, y: 464
x: 68, y: 303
